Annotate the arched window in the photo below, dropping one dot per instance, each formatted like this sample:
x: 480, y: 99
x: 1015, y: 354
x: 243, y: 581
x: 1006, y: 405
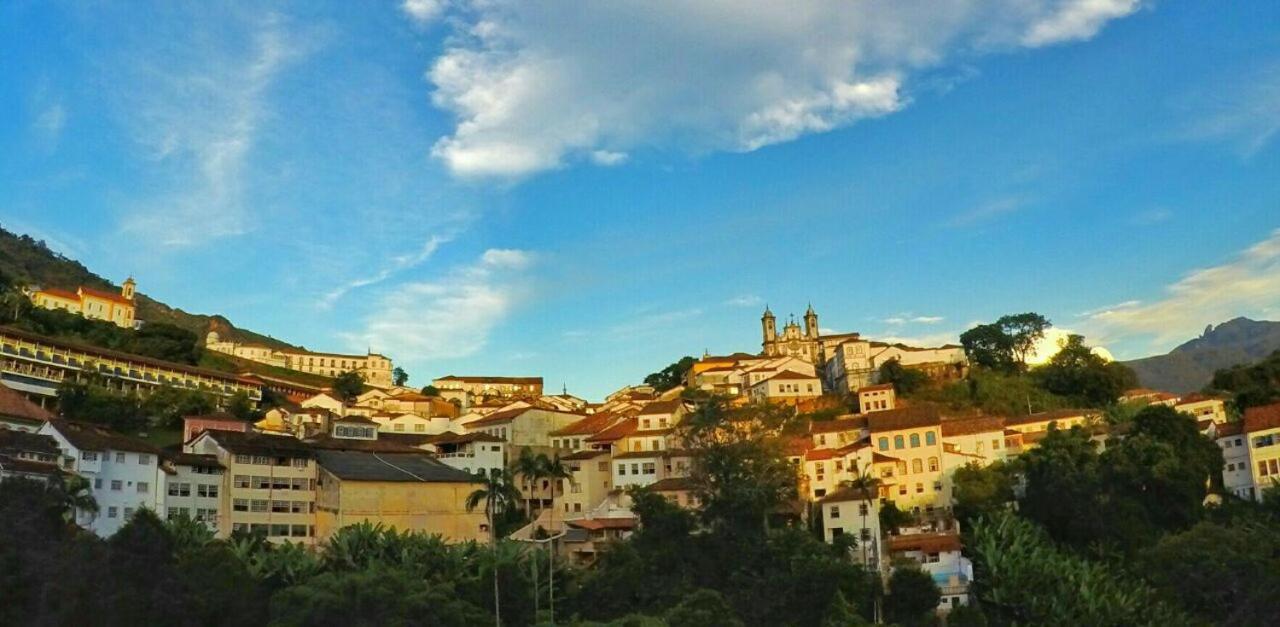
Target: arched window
x: 930, y: 439
x: 884, y: 444
x: 933, y: 464
x: 916, y: 466
x: 897, y: 441
x: 915, y: 440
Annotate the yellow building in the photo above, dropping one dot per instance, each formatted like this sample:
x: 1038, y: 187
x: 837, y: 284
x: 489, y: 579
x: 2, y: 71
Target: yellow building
x: 404, y: 491
x: 91, y: 303
x: 910, y: 439
x: 375, y: 369
x: 1262, y: 436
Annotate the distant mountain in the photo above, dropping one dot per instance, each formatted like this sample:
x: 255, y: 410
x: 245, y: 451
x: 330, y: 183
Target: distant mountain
x: 28, y: 260
x: 1190, y: 367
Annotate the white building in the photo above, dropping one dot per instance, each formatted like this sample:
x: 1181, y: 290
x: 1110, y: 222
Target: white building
x: 848, y: 511
x: 472, y: 452
x: 1237, y: 470
x: 124, y: 474
x: 193, y: 486
x: 939, y: 555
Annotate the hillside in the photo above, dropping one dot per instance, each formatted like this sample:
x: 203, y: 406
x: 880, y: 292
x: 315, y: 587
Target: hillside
x: 1190, y: 367
x: 30, y: 261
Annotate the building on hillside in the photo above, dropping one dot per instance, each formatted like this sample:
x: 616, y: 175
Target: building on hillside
x: 468, y: 452
x: 876, y: 398
x: 1203, y: 407
x: 193, y: 487
x: 374, y: 368
x: 405, y: 492
x: 938, y: 554
x: 574, y: 437
x: 523, y: 426
x: 1262, y: 436
x: 299, y: 422
x: 326, y: 401
x: 590, y: 480
x: 195, y: 425
x: 786, y: 387
x: 850, y: 511
x: 124, y: 473
x: 36, y: 365
x: 268, y: 484
x: 1060, y: 418
x: 1237, y: 471
x: 910, y: 442
x: 92, y: 303
x: 678, y: 490
x: 842, y: 431
x: 469, y: 390
x: 20, y: 414
x: 28, y: 455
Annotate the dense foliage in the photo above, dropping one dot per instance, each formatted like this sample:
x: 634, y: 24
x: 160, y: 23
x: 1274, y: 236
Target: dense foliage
x: 671, y: 376
x: 162, y: 408
x: 1251, y: 385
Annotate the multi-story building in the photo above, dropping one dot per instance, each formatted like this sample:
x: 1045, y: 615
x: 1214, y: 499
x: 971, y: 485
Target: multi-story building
x: 1262, y: 436
x: 786, y: 387
x: 468, y: 452
x: 376, y: 369
x: 1237, y: 471
x: 849, y: 510
x: 18, y: 413
x: 91, y: 303
x: 36, y: 365
x: 590, y: 481
x: 403, y: 491
x: 268, y: 484
x: 469, y: 390
x: 193, y: 487
x: 28, y: 455
x: 523, y: 426
x: 938, y: 554
x: 912, y: 439
x: 124, y: 473
x: 876, y: 398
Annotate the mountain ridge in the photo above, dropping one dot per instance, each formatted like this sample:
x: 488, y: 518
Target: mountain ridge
x: 1189, y: 367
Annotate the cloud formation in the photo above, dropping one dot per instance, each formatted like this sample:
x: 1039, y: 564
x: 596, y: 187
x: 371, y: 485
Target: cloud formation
x: 450, y: 317
x: 1246, y: 286
x: 536, y: 84
x: 396, y: 264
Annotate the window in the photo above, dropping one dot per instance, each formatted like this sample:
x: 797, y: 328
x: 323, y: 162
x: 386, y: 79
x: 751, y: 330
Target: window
x: 117, y: 485
x: 111, y: 512
x: 862, y: 509
x: 622, y: 470
x: 602, y: 466
x: 241, y: 481
x: 902, y: 490
x: 978, y: 447
x: 919, y: 488
x: 119, y: 458
x: 279, y: 530
x: 89, y: 456
x: 835, y: 511
x: 419, y: 427
x: 261, y: 483
x: 244, y: 459
x: 144, y: 460
x: 128, y: 512
x: 933, y: 464
x: 209, y: 491
x: 917, y: 466
x: 635, y: 469
x: 399, y: 427
x: 915, y: 440
x: 143, y: 487
x: 1262, y: 468
x: 822, y: 440
x: 298, y: 531
x: 1263, y: 440
x: 258, y: 505
x: 280, y: 507
x: 897, y: 441
x: 884, y: 444
x: 240, y: 505
x: 995, y: 444
x: 649, y: 468
x: 930, y: 438
x: 261, y: 460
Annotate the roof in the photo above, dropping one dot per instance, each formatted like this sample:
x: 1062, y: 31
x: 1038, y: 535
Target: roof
x: 787, y: 375
x: 14, y: 440
x: 179, y: 458
x: 1057, y: 414
x: 14, y: 405
x: 473, y: 379
x: 903, y: 418
x: 401, y: 467
x: 662, y: 407
x: 30, y: 466
x: 105, y: 295
x: 330, y: 443
x: 411, y: 397
x: 260, y: 444
x: 1264, y: 417
x: 847, y: 493
x: 584, y: 455
x: 1229, y: 428
x: 641, y: 454
x: 91, y: 437
x: 819, y: 454
x: 618, y: 431
x: 592, y: 424
x: 216, y: 417
x: 594, y: 524
x: 59, y: 293
x: 672, y: 484
x: 883, y: 387
x: 970, y: 426
x: 459, y: 438
x: 881, y: 458
x: 508, y: 415
x: 356, y: 419
x: 925, y: 542
x: 1196, y: 398
x: 838, y: 425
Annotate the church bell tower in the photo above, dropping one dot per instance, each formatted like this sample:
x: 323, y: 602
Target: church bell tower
x: 811, y: 323
x: 770, y: 326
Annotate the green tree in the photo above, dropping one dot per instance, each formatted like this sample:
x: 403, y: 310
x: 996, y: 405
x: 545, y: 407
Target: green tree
x: 241, y: 406
x: 988, y: 346
x: 430, y: 390
x: 529, y: 466
x: 913, y: 596
x: 906, y: 381
x: 982, y: 490
x: 671, y: 376
x: 375, y: 596
x: 1224, y: 575
x: 702, y: 608
x: 348, y: 385
x: 399, y: 376
x: 497, y: 493
x: 1078, y: 373
x: 166, y: 405
x: 892, y: 518
x: 1024, y: 330
x: 1250, y: 384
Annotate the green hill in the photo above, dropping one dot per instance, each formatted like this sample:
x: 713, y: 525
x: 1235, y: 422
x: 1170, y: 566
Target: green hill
x: 1190, y: 366
x: 29, y: 261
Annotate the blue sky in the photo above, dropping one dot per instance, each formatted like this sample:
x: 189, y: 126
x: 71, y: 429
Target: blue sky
x: 589, y: 192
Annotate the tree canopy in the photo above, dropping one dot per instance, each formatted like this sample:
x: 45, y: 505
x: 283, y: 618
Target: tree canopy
x: 671, y: 376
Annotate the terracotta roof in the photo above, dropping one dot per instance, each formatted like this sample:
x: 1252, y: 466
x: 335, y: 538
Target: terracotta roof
x: 90, y: 437
x: 839, y: 425
x: 459, y: 438
x: 59, y: 293
x: 330, y: 443
x: 970, y: 426
x: 925, y: 542
x: 672, y: 484
x: 903, y: 418
x: 787, y: 375
x: 14, y: 405
x: 1195, y: 398
x: 880, y: 458
x: 30, y: 466
x: 1057, y: 414
x: 469, y: 379
x: 619, y: 430
x: 595, y: 524
x: 797, y: 445
x: 179, y: 458
x: 847, y: 493
x: 662, y: 407
x: 594, y: 423
x: 259, y: 444
x: 641, y: 454
x: 1264, y: 417
x: 111, y: 296
x: 819, y: 454
x: 357, y: 419
x: 411, y: 397
x: 415, y: 467
x: 883, y: 387
x: 584, y: 455
x: 216, y: 417
x: 1230, y: 428
x: 499, y: 417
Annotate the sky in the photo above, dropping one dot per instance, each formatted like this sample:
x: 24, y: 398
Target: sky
x: 589, y: 191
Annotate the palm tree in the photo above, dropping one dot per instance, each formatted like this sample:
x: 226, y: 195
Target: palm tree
x: 555, y: 471
x: 529, y: 467
x: 867, y: 486
x: 75, y: 495
x: 497, y: 493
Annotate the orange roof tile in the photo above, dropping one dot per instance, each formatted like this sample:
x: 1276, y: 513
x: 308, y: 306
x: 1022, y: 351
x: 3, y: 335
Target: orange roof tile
x: 1260, y: 418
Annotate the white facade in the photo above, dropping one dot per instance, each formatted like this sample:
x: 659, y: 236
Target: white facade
x: 194, y: 489
x: 122, y: 481
x: 1237, y: 472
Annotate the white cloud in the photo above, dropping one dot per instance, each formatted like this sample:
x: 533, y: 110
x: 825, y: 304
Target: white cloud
x: 1246, y: 286
x: 928, y: 319
x: 1151, y: 217
x: 745, y: 300
x: 423, y: 12
x: 607, y: 158
x: 1244, y: 111
x: 451, y: 317
x: 652, y: 322
x: 535, y: 85
x: 906, y: 319
x: 50, y: 122
x: 927, y: 340
x: 199, y: 113
x: 987, y: 211
x: 397, y: 264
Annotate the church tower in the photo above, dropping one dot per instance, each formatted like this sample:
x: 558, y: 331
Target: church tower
x: 127, y: 289
x: 811, y: 323
x: 770, y: 325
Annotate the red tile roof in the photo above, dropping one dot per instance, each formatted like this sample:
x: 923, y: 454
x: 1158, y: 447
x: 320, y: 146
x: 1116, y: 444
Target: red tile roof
x: 61, y: 293
x: 970, y: 426
x: 903, y: 418
x: 925, y: 542
x: 90, y: 437
x: 618, y: 431
x: 592, y: 424
x: 595, y: 524
x: 672, y: 484
x: 1057, y: 414
x: 876, y: 388
x: 469, y: 379
x: 839, y: 425
x: 14, y: 405
x: 655, y: 408
x: 1264, y: 417
x: 1229, y: 428
x: 111, y: 296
